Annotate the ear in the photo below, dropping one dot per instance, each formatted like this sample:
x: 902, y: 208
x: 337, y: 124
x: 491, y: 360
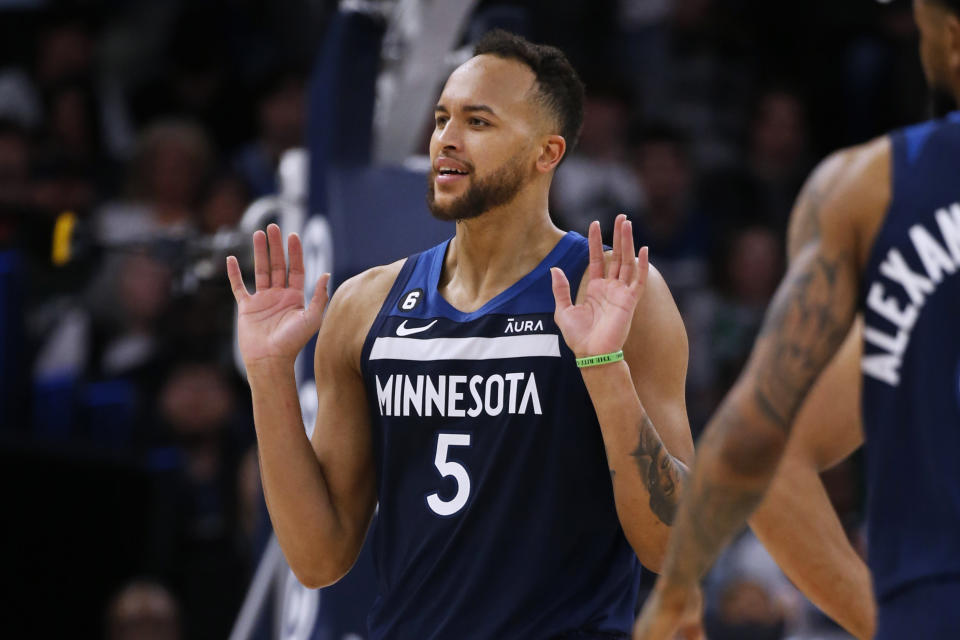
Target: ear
x: 551, y: 152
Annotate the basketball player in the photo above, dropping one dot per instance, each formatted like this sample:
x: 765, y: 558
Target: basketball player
x: 876, y: 230
x: 447, y: 395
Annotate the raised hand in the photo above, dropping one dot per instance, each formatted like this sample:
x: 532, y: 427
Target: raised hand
x: 601, y: 322
x: 273, y: 324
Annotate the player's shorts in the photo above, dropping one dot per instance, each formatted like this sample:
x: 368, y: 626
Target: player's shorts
x: 928, y: 609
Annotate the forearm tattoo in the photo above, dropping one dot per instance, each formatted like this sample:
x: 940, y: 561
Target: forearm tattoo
x: 662, y: 474
x: 806, y: 323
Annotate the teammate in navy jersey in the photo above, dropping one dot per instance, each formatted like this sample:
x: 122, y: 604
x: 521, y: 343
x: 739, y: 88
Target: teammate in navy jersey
x: 515, y: 491
x: 876, y: 231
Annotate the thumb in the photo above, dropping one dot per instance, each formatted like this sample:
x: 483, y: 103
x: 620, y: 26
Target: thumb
x: 561, y: 289
x: 314, y: 311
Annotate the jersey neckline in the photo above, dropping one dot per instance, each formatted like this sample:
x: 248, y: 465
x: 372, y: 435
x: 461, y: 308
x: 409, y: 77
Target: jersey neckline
x: 551, y: 259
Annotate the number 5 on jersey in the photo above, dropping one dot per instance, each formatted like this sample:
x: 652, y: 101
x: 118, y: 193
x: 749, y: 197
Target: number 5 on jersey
x: 450, y: 468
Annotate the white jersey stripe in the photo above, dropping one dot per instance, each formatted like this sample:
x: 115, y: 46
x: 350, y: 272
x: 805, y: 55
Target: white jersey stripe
x: 427, y: 349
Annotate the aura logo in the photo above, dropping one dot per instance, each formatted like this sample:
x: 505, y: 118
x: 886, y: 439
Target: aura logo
x: 520, y: 326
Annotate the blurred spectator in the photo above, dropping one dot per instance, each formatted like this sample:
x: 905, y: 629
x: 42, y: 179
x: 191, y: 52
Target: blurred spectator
x: 143, y: 610
x: 173, y: 160
x: 197, y: 80
x: 281, y: 117
x: 722, y: 322
x: 65, y: 57
x: 104, y: 352
x: 73, y: 137
x: 201, y: 547
x: 745, y: 611
x: 670, y: 222
x: 762, y: 187
x: 697, y: 75
x: 595, y: 182
x: 223, y: 202
x: 778, y: 153
x: 18, y: 99
x: 14, y: 173
x: 64, y: 49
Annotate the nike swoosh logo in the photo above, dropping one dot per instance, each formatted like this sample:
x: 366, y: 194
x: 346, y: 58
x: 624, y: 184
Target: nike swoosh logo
x: 403, y: 331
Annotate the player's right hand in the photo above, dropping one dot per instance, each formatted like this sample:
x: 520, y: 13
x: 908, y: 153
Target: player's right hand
x: 273, y: 325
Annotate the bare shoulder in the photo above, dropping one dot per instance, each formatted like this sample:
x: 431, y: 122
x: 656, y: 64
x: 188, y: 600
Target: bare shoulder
x: 848, y: 191
x: 368, y: 288
x: 656, y: 320
x: 353, y: 308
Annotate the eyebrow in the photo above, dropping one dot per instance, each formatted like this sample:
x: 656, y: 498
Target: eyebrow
x: 470, y: 108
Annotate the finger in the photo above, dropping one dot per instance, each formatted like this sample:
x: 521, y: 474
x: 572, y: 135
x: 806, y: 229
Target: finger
x: 613, y: 271
x: 561, y: 289
x: 261, y: 268
x: 643, y: 270
x: 278, y: 264
x: 596, y: 251
x: 295, y: 251
x: 236, y: 280
x: 314, y: 311
x: 628, y: 258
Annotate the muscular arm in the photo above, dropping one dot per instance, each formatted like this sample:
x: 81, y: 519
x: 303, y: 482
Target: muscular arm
x: 321, y: 495
x: 795, y: 520
x: 807, y: 321
x: 641, y: 408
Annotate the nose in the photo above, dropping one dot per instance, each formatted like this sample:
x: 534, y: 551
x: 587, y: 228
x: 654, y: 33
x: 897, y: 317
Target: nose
x: 450, y: 136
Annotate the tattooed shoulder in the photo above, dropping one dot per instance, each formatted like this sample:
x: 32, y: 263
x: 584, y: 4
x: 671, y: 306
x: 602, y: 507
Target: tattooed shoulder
x: 805, y: 222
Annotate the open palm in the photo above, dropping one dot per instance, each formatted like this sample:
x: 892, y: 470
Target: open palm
x: 600, y: 323
x: 273, y: 323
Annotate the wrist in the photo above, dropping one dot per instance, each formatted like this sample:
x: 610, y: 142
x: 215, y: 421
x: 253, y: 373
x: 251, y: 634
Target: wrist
x: 604, y: 374
x: 270, y: 366
x: 599, y: 359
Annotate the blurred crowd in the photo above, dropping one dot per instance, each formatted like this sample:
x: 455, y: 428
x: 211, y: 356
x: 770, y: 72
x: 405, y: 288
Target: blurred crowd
x: 157, y: 123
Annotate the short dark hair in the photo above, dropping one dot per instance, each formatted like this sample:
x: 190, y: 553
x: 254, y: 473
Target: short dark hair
x: 558, y: 84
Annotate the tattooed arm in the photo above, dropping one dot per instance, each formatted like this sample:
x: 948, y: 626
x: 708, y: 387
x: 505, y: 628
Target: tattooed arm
x: 833, y: 226
x: 796, y: 521
x: 641, y: 408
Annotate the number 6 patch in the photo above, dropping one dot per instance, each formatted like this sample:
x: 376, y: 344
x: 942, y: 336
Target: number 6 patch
x: 410, y: 300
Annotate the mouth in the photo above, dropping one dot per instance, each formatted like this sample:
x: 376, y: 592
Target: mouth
x: 447, y: 175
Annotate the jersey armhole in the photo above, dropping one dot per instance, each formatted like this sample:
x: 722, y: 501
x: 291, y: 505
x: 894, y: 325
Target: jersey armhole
x: 398, y: 284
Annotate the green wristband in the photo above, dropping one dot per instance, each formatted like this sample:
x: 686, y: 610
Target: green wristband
x: 606, y: 358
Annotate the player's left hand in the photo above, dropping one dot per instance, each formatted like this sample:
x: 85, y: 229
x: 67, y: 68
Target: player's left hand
x: 671, y: 613
x: 601, y: 322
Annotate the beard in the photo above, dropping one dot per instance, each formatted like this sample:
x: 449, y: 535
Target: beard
x: 483, y: 194
x: 940, y: 102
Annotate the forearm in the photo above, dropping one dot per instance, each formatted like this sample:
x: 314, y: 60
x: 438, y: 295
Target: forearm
x: 647, y: 479
x: 801, y: 530
x: 301, y: 507
x: 736, y: 459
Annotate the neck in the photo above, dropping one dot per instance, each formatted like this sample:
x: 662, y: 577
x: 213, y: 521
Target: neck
x: 494, y: 250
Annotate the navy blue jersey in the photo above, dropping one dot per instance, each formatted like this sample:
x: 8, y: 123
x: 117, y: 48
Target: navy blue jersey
x: 911, y: 363
x: 496, y: 515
